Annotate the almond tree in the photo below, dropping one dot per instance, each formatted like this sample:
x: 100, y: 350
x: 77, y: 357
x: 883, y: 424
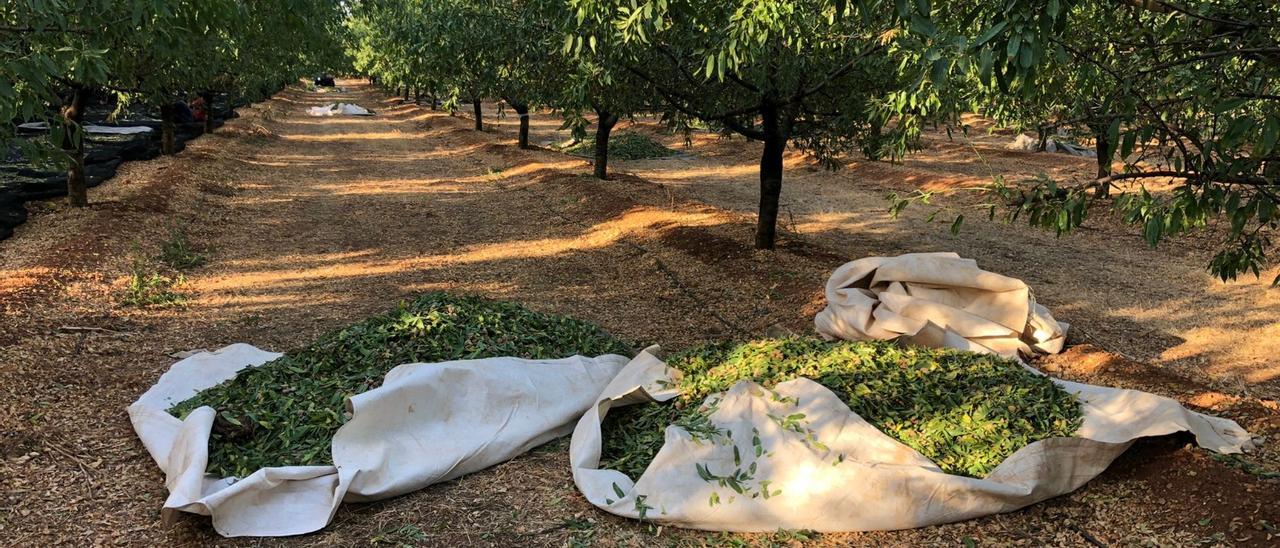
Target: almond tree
x: 55, y: 53
x: 815, y: 74
x: 1186, y: 97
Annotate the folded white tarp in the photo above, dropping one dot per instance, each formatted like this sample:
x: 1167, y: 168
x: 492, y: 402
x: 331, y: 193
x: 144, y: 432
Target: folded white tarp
x: 833, y: 471
x: 1030, y: 144
x: 91, y: 128
x: 938, y: 300
x: 339, y: 109
x: 427, y: 423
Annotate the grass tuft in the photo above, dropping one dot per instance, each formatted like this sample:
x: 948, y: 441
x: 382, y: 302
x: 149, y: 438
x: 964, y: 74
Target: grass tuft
x: 285, y: 412
x: 624, y: 146
x: 178, y: 253
x: 966, y: 412
x: 149, y: 288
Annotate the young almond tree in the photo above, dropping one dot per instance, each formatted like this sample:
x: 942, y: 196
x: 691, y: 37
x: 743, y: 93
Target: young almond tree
x: 55, y: 57
x: 529, y: 71
x: 814, y: 74
x: 468, y: 59
x: 534, y: 68
x: 58, y: 53
x: 1185, y: 97
x: 599, y: 86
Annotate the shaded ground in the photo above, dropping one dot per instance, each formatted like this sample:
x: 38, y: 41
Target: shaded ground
x: 313, y: 223
x: 1158, y: 305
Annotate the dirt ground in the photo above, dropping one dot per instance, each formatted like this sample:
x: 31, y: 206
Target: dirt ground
x: 314, y: 223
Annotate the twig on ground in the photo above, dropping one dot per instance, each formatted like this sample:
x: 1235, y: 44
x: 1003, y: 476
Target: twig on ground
x: 1089, y: 537
x: 78, y: 329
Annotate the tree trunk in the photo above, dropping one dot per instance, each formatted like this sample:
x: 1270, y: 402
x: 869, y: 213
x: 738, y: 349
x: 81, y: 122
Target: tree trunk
x: 775, y: 143
x: 475, y: 107
x: 406, y: 94
x: 208, y: 111
x: 417, y: 95
x: 72, y: 114
x: 522, y: 109
x: 1104, y: 150
x: 168, y: 124
x: 605, y: 121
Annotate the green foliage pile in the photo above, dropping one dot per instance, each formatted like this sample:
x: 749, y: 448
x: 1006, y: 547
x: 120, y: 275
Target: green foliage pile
x: 624, y: 146
x: 285, y: 412
x: 147, y: 288
x: 967, y: 412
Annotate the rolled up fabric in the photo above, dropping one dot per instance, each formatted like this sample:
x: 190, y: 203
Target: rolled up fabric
x: 938, y: 300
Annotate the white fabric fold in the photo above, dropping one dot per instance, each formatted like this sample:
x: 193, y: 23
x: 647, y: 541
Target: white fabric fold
x: 940, y: 300
x: 833, y: 471
x: 339, y: 109
x: 427, y: 423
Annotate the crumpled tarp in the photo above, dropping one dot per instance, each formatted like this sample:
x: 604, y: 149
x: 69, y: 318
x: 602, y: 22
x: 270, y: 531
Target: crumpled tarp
x: 1028, y: 143
x: 92, y: 128
x: 937, y: 300
x: 339, y: 109
x: 427, y: 423
x: 833, y: 471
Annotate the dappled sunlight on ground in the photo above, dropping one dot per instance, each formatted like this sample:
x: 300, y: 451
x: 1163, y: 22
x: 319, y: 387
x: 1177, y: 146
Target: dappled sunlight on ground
x: 309, y: 224
x: 1158, y: 305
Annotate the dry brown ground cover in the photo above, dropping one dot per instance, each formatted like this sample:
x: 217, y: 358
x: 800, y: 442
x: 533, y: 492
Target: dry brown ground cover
x: 313, y: 223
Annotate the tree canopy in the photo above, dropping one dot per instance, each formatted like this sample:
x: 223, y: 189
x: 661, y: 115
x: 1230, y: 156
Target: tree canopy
x: 53, y: 53
x: 1178, y: 99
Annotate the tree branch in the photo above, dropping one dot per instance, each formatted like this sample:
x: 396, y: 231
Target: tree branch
x: 685, y: 105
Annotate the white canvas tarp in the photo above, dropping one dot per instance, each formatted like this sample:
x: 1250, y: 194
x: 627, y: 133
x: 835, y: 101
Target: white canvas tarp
x: 833, y: 471
x: 937, y: 300
x: 427, y: 423
x: 829, y: 471
x: 339, y: 109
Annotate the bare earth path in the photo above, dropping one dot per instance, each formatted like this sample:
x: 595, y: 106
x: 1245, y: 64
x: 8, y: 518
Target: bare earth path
x: 313, y: 223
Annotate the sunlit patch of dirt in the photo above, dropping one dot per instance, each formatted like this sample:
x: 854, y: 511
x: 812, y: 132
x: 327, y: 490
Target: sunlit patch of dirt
x: 331, y: 220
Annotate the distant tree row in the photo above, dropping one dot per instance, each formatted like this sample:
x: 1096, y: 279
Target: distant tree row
x: 1179, y: 101
x: 54, y: 54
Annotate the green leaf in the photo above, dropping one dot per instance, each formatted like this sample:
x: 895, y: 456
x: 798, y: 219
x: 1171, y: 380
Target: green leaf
x: 985, y: 61
x: 1015, y: 43
x: 1270, y: 134
x: 990, y: 33
x: 1227, y: 105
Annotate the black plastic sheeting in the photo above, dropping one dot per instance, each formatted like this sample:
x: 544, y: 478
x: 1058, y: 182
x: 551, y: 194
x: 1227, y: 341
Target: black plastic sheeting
x: 21, y: 183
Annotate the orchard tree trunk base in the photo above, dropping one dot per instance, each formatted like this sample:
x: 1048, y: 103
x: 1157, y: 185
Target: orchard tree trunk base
x: 605, y: 121
x: 479, y: 114
x: 775, y: 144
x: 168, y: 127
x: 522, y: 110
x: 1104, y: 150
x: 208, y: 112
x: 72, y: 114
